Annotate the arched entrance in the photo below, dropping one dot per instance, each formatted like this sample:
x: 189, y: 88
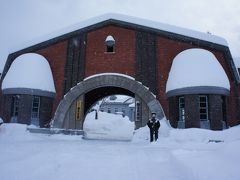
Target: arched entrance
x: 96, y: 87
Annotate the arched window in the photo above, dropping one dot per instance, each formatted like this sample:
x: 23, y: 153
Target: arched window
x: 109, y: 42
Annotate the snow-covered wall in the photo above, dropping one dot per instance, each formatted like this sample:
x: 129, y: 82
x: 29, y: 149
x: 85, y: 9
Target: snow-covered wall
x: 29, y: 71
x: 196, y: 67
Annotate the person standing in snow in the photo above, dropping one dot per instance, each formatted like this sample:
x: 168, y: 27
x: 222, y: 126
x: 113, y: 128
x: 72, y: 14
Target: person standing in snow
x: 153, y: 125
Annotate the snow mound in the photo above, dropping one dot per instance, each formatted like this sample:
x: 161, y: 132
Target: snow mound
x: 194, y: 135
x: 196, y: 67
x: 204, y: 135
x: 108, y: 126
x: 31, y: 71
x: 1, y: 121
x: 14, y: 132
x: 143, y: 134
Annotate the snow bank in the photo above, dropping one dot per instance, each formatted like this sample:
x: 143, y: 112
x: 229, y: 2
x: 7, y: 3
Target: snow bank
x: 29, y: 71
x: 203, y: 135
x: 196, y: 67
x: 1, y: 121
x: 13, y: 132
x: 108, y: 126
x: 195, y: 135
x: 185, y: 152
x: 143, y: 134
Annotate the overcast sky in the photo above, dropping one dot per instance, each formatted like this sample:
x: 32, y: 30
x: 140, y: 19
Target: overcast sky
x: 24, y: 20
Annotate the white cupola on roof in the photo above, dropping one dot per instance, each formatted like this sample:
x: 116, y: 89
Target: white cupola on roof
x: 29, y: 74
x: 196, y: 71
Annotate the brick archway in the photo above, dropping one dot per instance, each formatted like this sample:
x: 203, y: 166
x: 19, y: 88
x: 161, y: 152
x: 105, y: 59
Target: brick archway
x: 104, y: 80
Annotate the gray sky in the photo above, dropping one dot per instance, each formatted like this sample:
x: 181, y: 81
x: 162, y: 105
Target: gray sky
x: 24, y: 20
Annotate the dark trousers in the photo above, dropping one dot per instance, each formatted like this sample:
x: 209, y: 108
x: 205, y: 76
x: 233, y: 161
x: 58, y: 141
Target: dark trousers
x: 153, y: 134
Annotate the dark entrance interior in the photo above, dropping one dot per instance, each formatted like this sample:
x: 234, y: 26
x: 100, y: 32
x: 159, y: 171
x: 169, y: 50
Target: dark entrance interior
x: 93, y: 96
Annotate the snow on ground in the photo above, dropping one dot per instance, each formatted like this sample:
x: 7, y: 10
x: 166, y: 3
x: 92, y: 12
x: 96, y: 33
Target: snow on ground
x: 108, y: 126
x: 1, y: 121
x: 183, y: 155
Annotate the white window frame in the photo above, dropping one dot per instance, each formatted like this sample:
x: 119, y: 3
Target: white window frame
x: 35, y: 115
x: 181, y: 111
x: 204, y: 108
x: 180, y: 104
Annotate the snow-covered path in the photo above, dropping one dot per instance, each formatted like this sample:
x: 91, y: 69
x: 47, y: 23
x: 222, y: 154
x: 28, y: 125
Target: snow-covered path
x: 35, y: 156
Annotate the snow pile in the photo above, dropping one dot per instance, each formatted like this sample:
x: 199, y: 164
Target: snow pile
x: 14, y: 132
x: 110, y: 38
x: 196, y: 67
x: 1, y: 121
x: 195, y: 135
x: 184, y: 155
x: 29, y: 71
x: 143, y: 134
x: 108, y: 126
x: 203, y: 135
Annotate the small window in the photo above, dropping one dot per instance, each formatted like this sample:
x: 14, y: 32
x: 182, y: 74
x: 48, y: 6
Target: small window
x: 110, y: 49
x: 203, y: 108
x: 181, y: 109
x: 35, y: 107
x: 109, y: 110
x: 109, y: 42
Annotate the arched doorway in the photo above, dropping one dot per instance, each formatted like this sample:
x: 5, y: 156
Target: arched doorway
x: 87, y: 92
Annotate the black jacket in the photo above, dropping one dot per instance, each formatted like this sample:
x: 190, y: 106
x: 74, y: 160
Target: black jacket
x: 153, y: 125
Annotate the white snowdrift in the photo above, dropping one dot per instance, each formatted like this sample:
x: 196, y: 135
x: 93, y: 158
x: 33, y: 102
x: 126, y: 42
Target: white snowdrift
x: 108, y: 126
x: 196, y: 67
x: 31, y: 71
x: 186, y: 152
x: 195, y: 135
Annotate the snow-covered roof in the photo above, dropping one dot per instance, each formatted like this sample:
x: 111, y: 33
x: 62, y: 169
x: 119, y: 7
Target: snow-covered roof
x: 132, y: 105
x: 196, y: 68
x: 129, y: 19
x: 120, y: 99
x: 109, y: 38
x: 29, y: 71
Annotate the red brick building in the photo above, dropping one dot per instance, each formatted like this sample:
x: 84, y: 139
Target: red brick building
x: 144, y: 51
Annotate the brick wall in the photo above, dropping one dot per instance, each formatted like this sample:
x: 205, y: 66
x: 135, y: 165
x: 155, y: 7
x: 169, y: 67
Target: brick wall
x: 167, y: 50
x: 45, y: 112
x: 56, y: 56
x: 215, y: 112
x: 122, y: 60
x: 25, y: 109
x: 6, y: 107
